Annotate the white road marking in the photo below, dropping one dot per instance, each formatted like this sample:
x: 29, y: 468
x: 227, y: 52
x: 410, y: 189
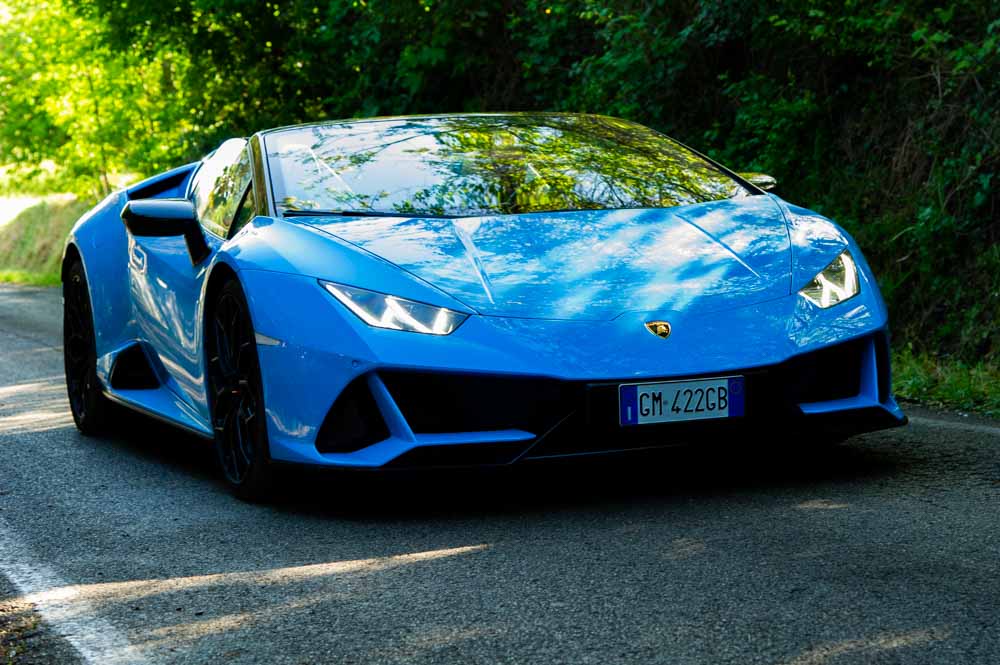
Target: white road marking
x: 950, y: 424
x: 59, y: 605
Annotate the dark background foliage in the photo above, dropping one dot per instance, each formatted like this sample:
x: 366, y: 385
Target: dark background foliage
x: 882, y: 115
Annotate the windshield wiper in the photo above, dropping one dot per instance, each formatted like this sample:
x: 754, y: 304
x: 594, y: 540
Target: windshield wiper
x: 295, y: 212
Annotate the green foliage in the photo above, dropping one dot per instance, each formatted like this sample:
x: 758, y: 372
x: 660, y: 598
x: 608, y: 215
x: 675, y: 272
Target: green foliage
x: 72, y: 100
x: 883, y: 115
x: 949, y: 383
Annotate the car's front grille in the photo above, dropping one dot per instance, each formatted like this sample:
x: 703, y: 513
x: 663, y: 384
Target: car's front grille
x: 442, y: 402
x: 573, y: 416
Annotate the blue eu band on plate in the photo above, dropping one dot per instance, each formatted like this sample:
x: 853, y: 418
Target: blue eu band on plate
x: 674, y: 401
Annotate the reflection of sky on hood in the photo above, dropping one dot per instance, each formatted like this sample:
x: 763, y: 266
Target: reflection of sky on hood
x: 592, y: 264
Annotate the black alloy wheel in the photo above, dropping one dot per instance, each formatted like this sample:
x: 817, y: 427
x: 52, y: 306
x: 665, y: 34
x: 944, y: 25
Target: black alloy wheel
x: 87, y: 402
x: 237, y: 396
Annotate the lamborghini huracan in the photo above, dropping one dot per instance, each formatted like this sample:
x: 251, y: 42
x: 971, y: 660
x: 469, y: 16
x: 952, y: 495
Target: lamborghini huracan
x: 466, y: 290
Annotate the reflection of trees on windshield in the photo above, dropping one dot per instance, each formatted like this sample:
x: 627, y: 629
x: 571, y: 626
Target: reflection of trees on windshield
x: 475, y: 165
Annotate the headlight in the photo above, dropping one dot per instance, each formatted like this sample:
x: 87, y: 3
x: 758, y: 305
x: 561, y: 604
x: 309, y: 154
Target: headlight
x: 384, y: 311
x: 835, y: 283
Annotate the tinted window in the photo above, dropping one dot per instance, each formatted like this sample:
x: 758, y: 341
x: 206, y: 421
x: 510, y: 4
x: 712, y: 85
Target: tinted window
x: 219, y: 185
x: 245, y: 212
x: 475, y: 165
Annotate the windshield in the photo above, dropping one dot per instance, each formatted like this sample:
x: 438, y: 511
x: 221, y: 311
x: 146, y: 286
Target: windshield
x: 483, y: 165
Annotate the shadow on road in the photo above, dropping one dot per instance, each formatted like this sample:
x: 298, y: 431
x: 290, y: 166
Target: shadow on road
x: 674, y: 475
x: 714, y: 470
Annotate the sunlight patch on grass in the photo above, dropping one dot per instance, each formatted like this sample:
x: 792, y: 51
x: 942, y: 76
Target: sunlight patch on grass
x: 11, y: 207
x: 29, y: 278
x: 31, y: 242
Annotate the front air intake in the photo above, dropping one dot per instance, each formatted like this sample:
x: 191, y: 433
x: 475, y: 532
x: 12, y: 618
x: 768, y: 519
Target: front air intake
x: 828, y: 374
x: 434, y: 402
x: 353, y: 422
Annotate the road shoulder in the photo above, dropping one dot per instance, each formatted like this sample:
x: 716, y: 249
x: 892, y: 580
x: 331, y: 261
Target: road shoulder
x: 25, y: 639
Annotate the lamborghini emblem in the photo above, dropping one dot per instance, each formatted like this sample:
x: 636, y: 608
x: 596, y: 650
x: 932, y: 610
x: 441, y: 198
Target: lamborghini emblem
x: 659, y: 328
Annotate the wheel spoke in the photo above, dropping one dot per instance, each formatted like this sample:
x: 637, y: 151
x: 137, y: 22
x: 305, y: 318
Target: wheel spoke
x: 225, y: 402
x: 223, y: 349
x: 244, y: 439
x: 248, y: 412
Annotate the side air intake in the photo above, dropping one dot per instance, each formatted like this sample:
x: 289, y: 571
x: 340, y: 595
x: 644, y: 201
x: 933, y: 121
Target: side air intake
x: 132, y: 370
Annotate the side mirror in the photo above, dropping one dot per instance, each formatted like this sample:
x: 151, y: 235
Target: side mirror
x: 160, y: 218
x: 761, y: 180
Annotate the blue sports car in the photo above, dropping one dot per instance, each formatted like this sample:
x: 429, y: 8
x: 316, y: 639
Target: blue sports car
x: 477, y: 289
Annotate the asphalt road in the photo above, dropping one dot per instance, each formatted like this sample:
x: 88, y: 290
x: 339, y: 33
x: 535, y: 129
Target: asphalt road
x: 885, y: 550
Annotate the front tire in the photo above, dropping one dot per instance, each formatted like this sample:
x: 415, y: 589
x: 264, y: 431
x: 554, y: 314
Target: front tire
x: 236, y: 396
x: 87, y: 402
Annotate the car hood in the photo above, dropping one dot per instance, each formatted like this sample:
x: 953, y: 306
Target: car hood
x: 590, y: 265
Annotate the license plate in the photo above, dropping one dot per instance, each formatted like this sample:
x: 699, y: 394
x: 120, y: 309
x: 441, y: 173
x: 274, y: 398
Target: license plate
x: 676, y: 401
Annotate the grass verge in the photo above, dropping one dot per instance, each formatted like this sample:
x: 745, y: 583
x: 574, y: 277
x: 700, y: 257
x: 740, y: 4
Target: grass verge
x: 947, y: 383
x: 30, y: 278
x: 31, y: 244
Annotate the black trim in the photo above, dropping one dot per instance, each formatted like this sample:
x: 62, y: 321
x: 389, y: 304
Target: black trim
x: 261, y: 182
x: 157, y: 416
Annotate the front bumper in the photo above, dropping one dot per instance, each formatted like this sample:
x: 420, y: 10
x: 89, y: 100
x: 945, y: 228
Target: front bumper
x: 500, y: 390
x: 410, y: 418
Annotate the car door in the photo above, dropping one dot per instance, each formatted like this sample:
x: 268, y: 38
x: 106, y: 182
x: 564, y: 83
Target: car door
x: 166, y: 285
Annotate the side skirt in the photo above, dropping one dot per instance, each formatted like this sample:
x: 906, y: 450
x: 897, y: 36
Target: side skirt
x: 181, y: 422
